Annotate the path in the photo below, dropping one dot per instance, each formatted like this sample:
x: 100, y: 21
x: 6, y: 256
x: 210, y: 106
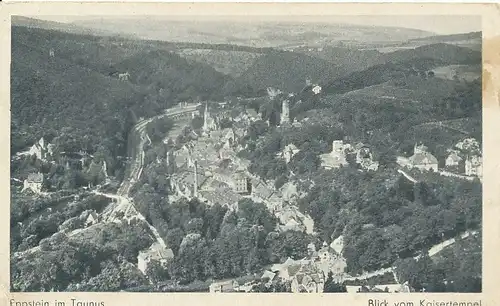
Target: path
x: 446, y: 173
x: 409, y: 177
x: 441, y: 124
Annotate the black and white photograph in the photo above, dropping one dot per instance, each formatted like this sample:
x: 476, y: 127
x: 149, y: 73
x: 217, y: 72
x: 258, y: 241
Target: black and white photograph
x: 263, y: 154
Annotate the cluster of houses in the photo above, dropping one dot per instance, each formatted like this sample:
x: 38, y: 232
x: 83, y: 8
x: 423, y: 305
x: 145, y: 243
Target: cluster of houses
x: 464, y: 159
x: 307, y: 275
x: 209, y: 169
x: 81, y: 161
x: 302, y: 275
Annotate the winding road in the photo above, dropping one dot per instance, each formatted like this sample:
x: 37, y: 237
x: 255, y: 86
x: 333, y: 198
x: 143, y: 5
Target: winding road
x: 137, y: 138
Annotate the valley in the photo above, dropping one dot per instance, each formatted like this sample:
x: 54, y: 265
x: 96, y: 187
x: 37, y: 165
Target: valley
x: 150, y: 163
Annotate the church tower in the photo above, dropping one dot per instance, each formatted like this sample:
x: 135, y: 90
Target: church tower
x: 285, y: 112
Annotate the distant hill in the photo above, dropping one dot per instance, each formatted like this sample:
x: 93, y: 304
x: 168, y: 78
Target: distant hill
x: 446, y: 53
x: 416, y: 90
x: 267, y: 33
x: 472, y: 41
x: 284, y: 70
x: 64, y: 27
x: 449, y: 38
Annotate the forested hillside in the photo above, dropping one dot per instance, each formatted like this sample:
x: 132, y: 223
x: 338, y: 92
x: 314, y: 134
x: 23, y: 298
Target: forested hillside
x: 172, y: 76
x: 75, y: 101
x: 284, y: 70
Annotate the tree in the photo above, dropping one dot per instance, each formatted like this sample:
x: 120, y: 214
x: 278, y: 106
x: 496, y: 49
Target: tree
x: 197, y: 123
x: 174, y: 239
x: 256, y: 213
x: 332, y: 286
x: 157, y: 272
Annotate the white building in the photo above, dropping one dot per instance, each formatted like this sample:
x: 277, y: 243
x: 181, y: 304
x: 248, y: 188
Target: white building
x: 155, y: 252
x: 453, y: 159
x: 422, y: 159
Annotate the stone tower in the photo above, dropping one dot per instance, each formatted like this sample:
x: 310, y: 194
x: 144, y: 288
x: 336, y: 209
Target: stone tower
x: 337, y: 146
x: 285, y: 112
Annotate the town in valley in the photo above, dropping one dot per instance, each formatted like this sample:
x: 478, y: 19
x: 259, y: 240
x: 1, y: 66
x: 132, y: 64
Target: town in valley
x: 224, y: 156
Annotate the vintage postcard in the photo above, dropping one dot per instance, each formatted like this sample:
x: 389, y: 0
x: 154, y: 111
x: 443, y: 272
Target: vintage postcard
x: 326, y: 152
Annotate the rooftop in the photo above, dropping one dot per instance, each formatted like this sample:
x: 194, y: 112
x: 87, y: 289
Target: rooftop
x: 423, y: 158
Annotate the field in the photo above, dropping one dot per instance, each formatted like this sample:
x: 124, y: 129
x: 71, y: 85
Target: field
x: 465, y: 72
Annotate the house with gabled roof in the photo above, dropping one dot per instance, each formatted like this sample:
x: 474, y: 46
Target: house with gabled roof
x: 422, y: 159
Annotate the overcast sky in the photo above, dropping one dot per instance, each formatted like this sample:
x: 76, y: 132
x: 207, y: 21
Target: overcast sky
x: 438, y: 24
